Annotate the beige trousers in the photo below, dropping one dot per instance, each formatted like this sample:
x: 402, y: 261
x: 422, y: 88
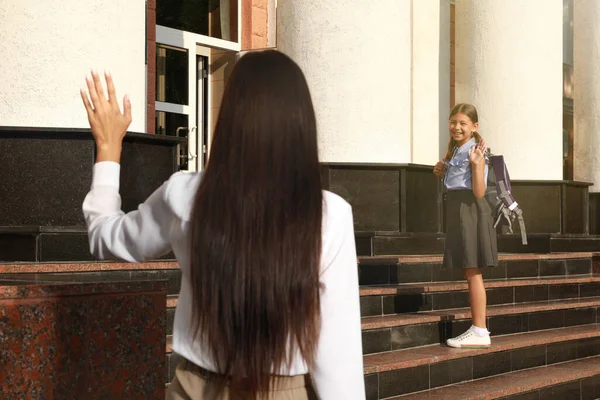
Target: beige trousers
x: 194, y: 383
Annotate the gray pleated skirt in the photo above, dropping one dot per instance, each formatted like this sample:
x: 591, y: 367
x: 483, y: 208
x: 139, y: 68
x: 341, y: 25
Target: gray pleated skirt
x: 470, y: 235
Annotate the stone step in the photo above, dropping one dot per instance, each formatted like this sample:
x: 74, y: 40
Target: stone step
x: 42, y: 243
x: 414, y: 297
x: 411, y: 298
x: 394, y: 243
x: 578, y: 379
x: 171, y: 305
x: 399, y: 331
x: 70, y: 243
x: 96, y: 272
x: 429, y: 367
x: 419, y: 268
x: 408, y: 298
x: 372, y: 270
x: 47, y: 244
x: 172, y: 360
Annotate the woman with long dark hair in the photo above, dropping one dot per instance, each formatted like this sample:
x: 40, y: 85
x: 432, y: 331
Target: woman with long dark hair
x: 269, y: 302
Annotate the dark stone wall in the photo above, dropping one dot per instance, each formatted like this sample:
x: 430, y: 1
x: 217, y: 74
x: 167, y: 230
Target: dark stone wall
x: 388, y: 197
x: 399, y: 209
x: 46, y: 173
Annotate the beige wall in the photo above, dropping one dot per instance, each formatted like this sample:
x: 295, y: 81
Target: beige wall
x: 509, y: 65
x: 430, y: 79
x: 586, y: 92
x: 47, y: 48
x: 452, y: 55
x: 381, y: 95
x: 357, y: 60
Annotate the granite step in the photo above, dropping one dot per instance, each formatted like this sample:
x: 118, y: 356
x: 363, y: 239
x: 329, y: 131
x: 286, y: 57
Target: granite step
x: 399, y: 331
x: 171, y: 305
x: 172, y: 359
x: 440, y: 366
x: 393, y: 332
x: 392, y: 243
x: 47, y: 244
x: 375, y: 300
x: 95, y: 266
x: 390, y: 270
x: 373, y: 270
x: 96, y: 272
x: 414, y: 297
x: 397, y: 372
x: 578, y: 379
x: 427, y: 355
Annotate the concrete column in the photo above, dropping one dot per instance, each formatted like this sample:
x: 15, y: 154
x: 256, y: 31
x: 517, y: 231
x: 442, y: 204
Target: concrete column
x: 48, y: 47
x: 357, y: 59
x: 430, y: 79
x: 509, y: 65
x: 586, y: 93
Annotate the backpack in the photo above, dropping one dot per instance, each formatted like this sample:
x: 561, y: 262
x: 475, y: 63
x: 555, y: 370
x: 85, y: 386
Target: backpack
x: 505, y: 208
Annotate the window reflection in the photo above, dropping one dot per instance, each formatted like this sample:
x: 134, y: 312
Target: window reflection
x: 172, y: 124
x: 172, y: 75
x: 214, y: 18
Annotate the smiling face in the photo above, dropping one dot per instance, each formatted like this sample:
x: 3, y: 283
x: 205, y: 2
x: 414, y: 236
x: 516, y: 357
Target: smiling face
x: 461, y: 128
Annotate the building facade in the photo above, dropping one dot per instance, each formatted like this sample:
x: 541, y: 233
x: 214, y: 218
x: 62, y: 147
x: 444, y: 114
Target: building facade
x: 383, y: 77
x: 390, y: 71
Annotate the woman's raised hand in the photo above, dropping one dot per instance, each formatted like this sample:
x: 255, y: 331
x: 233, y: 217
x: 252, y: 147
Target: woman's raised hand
x: 107, y: 122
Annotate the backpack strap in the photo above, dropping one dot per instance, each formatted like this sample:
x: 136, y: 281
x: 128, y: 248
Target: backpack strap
x: 505, y: 195
x: 522, y: 226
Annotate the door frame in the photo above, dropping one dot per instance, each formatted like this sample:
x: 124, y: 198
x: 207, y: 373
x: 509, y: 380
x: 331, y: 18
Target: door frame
x: 199, y: 118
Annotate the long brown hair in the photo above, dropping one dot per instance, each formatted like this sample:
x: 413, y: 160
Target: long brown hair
x: 470, y: 111
x: 256, y: 228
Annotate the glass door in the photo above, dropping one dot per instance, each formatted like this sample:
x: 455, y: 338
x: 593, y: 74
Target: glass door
x: 191, y: 71
x: 181, y: 88
x: 202, y: 111
x: 174, y: 116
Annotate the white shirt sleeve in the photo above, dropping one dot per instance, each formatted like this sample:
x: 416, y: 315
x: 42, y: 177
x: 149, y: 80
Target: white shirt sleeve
x: 338, y: 373
x: 136, y: 236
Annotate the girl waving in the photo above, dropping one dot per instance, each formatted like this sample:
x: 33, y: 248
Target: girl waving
x: 471, y: 241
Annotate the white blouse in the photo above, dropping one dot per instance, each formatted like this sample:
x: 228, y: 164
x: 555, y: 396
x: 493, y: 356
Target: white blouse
x: 162, y: 224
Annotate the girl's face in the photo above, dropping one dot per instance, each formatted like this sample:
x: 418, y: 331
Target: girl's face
x: 461, y: 128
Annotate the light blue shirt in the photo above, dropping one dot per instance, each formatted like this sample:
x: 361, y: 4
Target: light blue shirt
x: 458, y: 169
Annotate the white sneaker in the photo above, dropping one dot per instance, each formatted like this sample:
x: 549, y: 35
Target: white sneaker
x: 469, y: 340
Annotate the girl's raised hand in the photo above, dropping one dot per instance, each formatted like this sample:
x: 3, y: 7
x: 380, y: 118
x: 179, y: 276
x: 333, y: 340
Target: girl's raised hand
x: 478, y: 153
x: 108, y: 123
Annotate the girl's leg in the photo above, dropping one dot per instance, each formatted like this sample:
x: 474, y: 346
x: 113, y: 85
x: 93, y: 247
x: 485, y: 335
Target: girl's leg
x: 477, y: 296
x: 477, y: 336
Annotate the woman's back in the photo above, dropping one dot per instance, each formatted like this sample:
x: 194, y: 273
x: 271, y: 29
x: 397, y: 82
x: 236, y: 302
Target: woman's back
x: 338, y: 276
x: 269, y: 279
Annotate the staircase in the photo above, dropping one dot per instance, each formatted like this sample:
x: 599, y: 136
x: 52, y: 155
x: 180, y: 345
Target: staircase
x: 544, y: 315
x: 542, y: 312
x: 544, y: 309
